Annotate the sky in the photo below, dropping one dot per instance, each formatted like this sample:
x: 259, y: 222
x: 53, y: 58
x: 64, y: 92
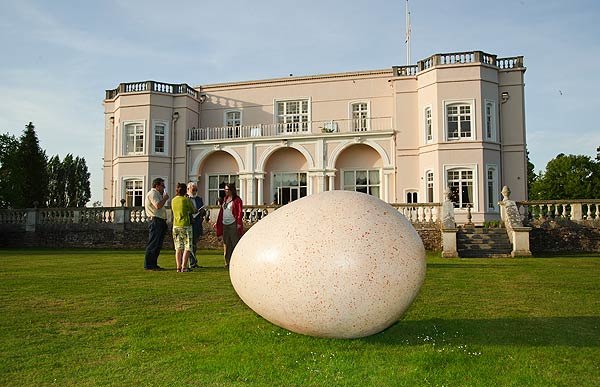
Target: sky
x: 58, y: 57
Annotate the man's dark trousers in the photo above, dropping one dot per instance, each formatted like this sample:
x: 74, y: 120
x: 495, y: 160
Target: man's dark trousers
x: 156, y: 235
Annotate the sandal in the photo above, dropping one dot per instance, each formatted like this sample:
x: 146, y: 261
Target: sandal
x: 179, y: 270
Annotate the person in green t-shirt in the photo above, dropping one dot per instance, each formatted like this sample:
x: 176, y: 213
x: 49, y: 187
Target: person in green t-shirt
x: 182, y: 208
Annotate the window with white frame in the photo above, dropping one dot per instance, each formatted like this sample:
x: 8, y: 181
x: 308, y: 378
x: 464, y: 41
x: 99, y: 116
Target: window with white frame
x: 116, y: 148
x: 492, y: 187
x: 233, y: 118
x: 134, y: 192
x: 429, y: 186
x: 233, y: 121
x: 459, y: 121
x: 289, y: 186
x: 412, y: 196
x: 160, y: 138
x: 134, y: 138
x: 216, y: 183
x: 428, y: 125
x: 366, y: 181
x: 360, y: 116
x: 460, y: 183
x: 293, y: 115
x: 490, y: 120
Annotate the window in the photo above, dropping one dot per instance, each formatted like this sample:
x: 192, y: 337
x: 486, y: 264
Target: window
x: 134, y: 139
x: 233, y: 121
x: 412, y: 197
x: 134, y: 192
x: 288, y: 186
x: 233, y: 118
x: 429, y: 183
x: 160, y: 138
x: 293, y: 116
x: 116, y: 148
x: 360, y: 117
x: 216, y: 183
x: 458, y: 117
x: 490, y: 120
x: 365, y: 181
x: 428, y: 127
x: 460, y: 182
x: 492, y: 188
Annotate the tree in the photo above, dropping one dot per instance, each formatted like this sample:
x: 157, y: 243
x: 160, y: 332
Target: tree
x: 56, y: 184
x: 30, y: 174
x: 8, y: 150
x: 568, y: 177
x: 83, y: 192
x: 531, y: 175
x: 69, y: 182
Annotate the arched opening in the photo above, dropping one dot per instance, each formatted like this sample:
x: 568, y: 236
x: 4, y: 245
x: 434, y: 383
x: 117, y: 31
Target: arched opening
x: 218, y: 169
x: 360, y: 169
x: 285, y: 176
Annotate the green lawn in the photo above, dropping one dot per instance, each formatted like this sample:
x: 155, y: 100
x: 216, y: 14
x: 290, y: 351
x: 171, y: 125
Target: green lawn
x: 76, y: 318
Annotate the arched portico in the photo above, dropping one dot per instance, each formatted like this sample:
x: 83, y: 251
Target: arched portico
x: 362, y: 166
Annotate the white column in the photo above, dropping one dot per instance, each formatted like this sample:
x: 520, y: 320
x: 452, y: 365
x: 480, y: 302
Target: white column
x: 321, y: 183
x: 331, y: 179
x: 310, y: 183
x: 243, y: 188
x: 251, y: 189
x: 386, y: 189
x: 259, y: 190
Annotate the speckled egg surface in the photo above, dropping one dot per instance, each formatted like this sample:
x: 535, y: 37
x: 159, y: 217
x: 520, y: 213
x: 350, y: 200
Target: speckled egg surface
x: 335, y: 264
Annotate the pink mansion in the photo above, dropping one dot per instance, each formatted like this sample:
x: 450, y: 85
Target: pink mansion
x: 405, y: 134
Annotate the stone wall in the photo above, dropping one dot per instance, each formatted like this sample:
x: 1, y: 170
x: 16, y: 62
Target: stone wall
x: 126, y: 236
x: 549, y: 236
x: 564, y: 236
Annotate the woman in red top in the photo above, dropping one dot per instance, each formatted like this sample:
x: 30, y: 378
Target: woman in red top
x: 229, y: 223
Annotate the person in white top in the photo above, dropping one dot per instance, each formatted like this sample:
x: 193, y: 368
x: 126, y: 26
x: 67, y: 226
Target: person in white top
x: 230, y: 224
x: 157, y: 223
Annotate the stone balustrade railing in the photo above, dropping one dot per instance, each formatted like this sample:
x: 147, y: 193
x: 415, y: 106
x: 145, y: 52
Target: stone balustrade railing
x: 13, y: 216
x: 458, y: 58
x: 152, y: 86
x: 574, y: 210
x: 420, y: 213
x: 417, y: 213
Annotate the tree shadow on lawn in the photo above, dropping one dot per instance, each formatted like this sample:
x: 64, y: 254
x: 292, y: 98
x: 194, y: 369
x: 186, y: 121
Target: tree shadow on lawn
x: 576, y: 331
x: 469, y: 265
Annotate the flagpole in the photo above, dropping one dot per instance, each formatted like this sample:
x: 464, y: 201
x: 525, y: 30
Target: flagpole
x: 407, y: 41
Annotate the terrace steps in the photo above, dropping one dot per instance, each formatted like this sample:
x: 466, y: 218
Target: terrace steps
x: 478, y: 242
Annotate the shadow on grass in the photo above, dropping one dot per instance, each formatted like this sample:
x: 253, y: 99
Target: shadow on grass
x: 576, y: 331
x: 468, y: 265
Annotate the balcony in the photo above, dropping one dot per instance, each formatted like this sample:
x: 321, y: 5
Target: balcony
x: 459, y: 58
x: 152, y: 86
x: 291, y: 129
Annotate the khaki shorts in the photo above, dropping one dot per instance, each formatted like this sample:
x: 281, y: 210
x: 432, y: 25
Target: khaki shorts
x: 182, y: 238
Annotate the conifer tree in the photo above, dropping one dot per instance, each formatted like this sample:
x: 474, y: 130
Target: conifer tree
x: 8, y: 149
x: 31, y: 175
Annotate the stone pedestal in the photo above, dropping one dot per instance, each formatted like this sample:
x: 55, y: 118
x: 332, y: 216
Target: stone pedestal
x: 449, y: 243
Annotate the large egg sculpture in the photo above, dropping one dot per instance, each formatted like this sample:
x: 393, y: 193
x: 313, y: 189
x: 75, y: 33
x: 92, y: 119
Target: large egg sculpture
x: 336, y: 264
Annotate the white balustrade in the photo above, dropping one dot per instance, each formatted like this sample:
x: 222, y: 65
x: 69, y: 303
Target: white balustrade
x: 574, y: 210
x: 290, y: 129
